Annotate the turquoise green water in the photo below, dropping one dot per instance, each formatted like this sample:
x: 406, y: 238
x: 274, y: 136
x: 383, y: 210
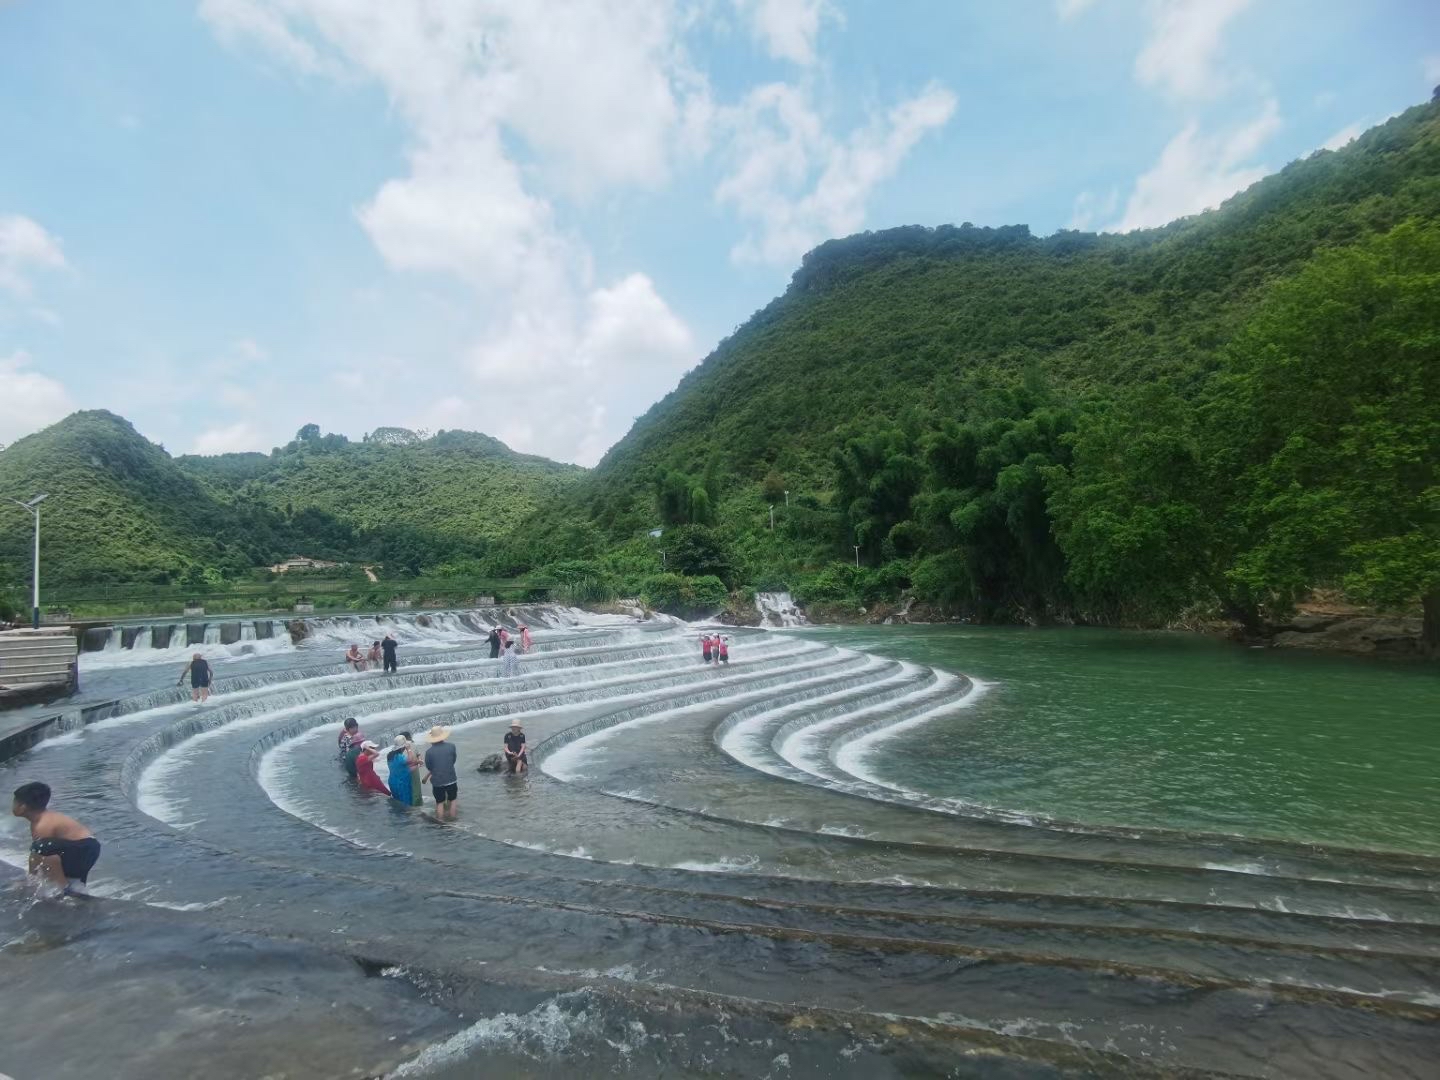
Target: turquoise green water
x: 1175, y: 731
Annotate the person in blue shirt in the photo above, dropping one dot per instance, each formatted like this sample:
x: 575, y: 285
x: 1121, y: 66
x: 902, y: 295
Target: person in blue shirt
x: 399, y: 762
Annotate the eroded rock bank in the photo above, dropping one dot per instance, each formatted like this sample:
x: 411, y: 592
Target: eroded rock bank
x: 1391, y: 635
x: 1346, y: 631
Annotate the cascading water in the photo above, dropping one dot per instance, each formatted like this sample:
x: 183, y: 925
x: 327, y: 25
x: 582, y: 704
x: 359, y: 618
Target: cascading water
x: 222, y: 639
x: 694, y: 839
x: 778, y: 609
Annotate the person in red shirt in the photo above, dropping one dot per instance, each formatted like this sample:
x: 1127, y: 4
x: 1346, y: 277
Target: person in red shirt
x: 724, y: 648
x: 365, y: 769
x: 704, y: 648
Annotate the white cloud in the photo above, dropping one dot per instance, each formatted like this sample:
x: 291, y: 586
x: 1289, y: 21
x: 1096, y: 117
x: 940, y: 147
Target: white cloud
x: 1068, y: 9
x: 237, y: 20
x: 796, y: 184
x: 249, y: 350
x: 24, y: 248
x: 1431, y: 66
x: 237, y: 397
x: 787, y: 27
x: 512, y: 106
x: 1090, y: 209
x: 1345, y: 135
x: 602, y: 94
x: 1197, y: 171
x: 1180, y: 54
x: 229, y: 439
x: 585, y: 374
x: 29, y: 400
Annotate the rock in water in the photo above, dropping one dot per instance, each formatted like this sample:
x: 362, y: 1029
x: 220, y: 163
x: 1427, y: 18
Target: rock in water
x: 493, y: 763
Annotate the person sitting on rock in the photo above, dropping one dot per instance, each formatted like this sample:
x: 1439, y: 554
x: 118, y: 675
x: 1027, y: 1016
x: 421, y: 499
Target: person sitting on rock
x: 515, y: 755
x: 354, y: 658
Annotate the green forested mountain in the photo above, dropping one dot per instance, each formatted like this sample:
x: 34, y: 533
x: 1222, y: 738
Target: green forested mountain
x: 121, y: 509
x: 1216, y: 416
x: 457, y: 484
x: 1108, y: 427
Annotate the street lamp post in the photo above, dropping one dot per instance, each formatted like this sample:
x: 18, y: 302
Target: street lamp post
x: 857, y: 556
x: 772, y: 517
x: 787, y: 500
x: 34, y: 507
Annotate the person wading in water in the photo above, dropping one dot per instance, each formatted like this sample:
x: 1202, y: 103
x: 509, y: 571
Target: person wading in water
x: 199, y: 671
x: 62, y: 851
x: 440, y: 774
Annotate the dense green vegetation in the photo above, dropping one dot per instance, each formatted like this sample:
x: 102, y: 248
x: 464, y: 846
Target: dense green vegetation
x: 122, y: 510
x: 1216, y: 416
x: 1208, y: 419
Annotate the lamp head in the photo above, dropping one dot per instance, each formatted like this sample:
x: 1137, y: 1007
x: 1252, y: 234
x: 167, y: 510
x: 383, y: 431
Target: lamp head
x: 36, y: 501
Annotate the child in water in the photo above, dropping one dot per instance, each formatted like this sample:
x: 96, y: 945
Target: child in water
x: 62, y: 851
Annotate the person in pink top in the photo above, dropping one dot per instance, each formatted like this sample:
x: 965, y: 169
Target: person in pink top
x: 525, y: 640
x: 365, y: 769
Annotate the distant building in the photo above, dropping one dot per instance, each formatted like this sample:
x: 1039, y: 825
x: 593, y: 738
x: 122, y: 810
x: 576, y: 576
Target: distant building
x: 300, y: 562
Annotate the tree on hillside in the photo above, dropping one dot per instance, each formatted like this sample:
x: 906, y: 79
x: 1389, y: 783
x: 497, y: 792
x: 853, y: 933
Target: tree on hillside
x: 698, y: 552
x: 1335, y: 388
x: 773, y: 487
x: 1310, y: 459
x: 877, y: 473
x: 700, y: 506
x: 392, y: 436
x: 1147, y: 515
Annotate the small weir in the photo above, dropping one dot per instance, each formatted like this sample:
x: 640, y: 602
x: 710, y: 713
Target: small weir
x: 704, y: 848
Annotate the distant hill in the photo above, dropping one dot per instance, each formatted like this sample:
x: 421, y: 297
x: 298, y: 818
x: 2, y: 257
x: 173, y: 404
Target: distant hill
x: 121, y: 509
x: 459, y: 484
x: 919, y: 318
x: 1202, y: 420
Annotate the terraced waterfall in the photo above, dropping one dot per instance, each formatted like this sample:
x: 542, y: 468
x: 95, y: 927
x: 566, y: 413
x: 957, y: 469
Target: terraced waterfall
x: 726, y: 871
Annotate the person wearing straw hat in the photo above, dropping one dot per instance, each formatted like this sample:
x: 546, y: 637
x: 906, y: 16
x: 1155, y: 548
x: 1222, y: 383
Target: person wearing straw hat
x: 440, y: 774
x: 515, y: 755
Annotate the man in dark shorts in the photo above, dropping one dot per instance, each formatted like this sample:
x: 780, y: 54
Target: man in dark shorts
x: 62, y: 851
x: 199, y: 671
x: 515, y: 756
x: 387, y: 647
x: 440, y: 774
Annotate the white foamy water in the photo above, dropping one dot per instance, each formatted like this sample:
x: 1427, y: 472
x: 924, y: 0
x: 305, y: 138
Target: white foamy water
x: 114, y: 655
x: 778, y: 609
x: 548, y: 1030
x: 854, y: 756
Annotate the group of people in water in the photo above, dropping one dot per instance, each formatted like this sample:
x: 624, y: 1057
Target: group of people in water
x: 404, y: 763
x: 507, y: 647
x: 381, y: 652
x: 714, y: 648
x: 63, y: 851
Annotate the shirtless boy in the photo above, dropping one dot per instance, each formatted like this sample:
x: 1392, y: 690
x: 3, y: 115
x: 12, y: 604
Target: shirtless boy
x: 62, y: 851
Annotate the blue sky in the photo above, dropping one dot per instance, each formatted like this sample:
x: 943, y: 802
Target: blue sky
x: 229, y: 218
